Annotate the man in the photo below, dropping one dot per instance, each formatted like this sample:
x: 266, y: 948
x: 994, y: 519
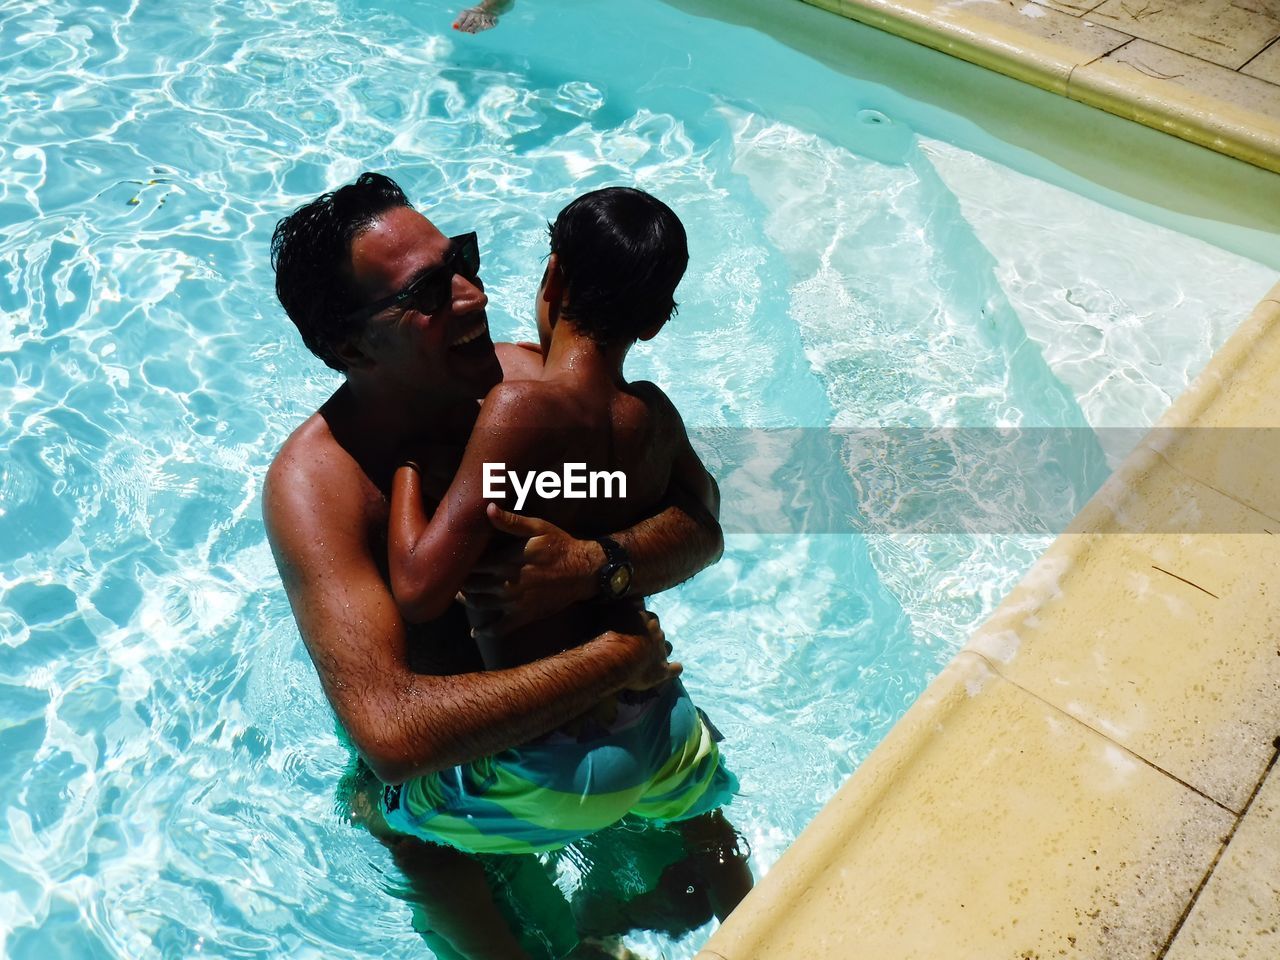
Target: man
x: 379, y: 293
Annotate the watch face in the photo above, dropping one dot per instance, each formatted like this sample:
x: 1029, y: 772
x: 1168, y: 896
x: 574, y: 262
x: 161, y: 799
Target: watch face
x: 619, y: 580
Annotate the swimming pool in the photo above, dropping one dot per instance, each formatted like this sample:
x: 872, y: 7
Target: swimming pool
x: 169, y: 764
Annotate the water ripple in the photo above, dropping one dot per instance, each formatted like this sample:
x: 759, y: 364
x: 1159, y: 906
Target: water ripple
x: 170, y: 765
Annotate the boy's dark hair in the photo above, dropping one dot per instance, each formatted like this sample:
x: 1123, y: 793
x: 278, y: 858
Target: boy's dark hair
x: 311, y: 255
x: 622, y: 253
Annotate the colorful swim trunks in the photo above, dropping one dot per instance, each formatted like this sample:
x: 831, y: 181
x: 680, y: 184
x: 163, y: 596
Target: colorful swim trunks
x: 656, y: 757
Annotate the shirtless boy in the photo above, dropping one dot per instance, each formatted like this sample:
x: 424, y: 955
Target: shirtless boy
x: 616, y: 258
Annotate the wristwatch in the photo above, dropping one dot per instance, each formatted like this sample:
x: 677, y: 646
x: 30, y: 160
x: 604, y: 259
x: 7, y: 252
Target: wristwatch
x: 615, y: 576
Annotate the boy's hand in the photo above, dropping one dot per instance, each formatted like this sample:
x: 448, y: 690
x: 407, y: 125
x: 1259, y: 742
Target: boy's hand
x: 542, y: 573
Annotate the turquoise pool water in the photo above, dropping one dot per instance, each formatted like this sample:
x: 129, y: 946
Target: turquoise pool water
x: 167, y: 762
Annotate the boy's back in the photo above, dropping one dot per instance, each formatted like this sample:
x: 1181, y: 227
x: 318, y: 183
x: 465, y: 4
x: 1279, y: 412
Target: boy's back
x: 631, y: 429
x: 581, y: 418
x: 617, y: 256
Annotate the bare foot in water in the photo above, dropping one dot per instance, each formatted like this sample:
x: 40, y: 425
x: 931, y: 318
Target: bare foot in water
x: 483, y: 16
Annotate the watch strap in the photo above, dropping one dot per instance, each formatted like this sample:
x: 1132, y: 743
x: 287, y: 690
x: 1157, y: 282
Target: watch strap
x: 616, y: 561
x: 614, y: 554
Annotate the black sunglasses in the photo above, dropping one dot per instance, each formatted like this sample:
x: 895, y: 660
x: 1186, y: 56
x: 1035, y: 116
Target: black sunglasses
x: 434, y: 288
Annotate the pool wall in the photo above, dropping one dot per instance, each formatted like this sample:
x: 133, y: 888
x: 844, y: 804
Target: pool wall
x: 1093, y: 774
x: 1080, y: 51
x: 1126, y: 166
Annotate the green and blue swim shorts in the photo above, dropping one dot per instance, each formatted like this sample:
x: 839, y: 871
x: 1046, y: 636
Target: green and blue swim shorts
x: 655, y: 757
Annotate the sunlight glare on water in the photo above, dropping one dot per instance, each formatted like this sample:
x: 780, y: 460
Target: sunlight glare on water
x: 169, y: 763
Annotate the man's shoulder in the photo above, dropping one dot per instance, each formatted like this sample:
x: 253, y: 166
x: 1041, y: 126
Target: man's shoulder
x: 311, y: 478
x: 519, y: 361
x: 307, y: 452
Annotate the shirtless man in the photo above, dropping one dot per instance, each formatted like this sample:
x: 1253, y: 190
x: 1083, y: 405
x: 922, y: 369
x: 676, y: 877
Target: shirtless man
x: 377, y: 292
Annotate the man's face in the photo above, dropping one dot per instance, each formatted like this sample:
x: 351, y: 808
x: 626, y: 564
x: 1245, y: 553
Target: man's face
x: 446, y: 351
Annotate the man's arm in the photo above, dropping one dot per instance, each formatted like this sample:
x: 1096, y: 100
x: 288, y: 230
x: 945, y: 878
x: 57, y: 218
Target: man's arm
x: 685, y: 538
x: 406, y: 724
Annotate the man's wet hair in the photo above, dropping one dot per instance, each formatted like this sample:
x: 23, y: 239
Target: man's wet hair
x: 311, y: 255
x: 622, y: 253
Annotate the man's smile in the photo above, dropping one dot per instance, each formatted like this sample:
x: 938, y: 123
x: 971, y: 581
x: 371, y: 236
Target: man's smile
x: 472, y: 332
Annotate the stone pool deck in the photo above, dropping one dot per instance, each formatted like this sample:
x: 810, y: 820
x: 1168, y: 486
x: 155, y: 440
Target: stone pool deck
x: 1204, y: 70
x: 1094, y: 774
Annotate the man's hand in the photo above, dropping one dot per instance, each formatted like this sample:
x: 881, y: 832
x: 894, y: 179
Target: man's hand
x: 545, y: 571
x: 655, y: 669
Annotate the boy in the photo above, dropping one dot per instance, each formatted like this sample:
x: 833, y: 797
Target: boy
x: 617, y: 256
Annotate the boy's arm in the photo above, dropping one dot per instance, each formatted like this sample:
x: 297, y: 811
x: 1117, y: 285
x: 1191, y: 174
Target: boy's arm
x: 548, y: 570
x: 430, y: 557
x: 406, y: 724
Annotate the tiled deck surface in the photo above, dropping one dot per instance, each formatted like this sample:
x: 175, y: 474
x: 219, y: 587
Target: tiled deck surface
x: 1094, y: 775
x: 1204, y: 70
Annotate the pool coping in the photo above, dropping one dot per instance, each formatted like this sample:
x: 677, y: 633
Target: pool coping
x: 1124, y: 700
x: 1207, y: 104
